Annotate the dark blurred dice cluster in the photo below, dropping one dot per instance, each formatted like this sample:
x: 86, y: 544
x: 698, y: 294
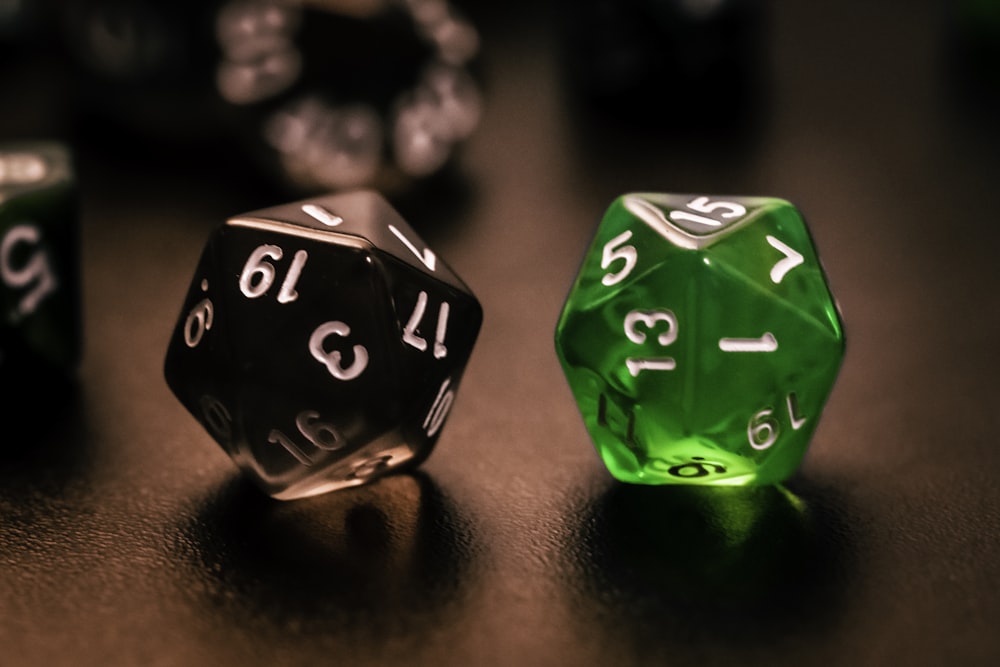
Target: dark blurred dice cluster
x: 319, y: 96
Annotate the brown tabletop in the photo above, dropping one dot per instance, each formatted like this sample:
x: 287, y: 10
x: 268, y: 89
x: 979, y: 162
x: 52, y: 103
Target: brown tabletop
x: 128, y: 538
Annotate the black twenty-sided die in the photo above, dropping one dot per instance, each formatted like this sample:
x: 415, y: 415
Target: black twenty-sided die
x: 321, y: 343
x: 40, y: 331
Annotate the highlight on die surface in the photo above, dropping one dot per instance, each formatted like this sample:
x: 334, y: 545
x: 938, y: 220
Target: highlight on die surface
x: 321, y: 343
x: 700, y: 339
x: 41, y: 329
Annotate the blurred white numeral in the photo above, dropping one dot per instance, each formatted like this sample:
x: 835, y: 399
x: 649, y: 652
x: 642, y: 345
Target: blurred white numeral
x: 217, y: 417
x: 36, y: 270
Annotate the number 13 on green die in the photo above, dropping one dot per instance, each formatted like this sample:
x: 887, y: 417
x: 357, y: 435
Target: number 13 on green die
x: 700, y: 339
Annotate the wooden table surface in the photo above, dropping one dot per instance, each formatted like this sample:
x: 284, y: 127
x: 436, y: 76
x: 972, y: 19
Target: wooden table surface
x: 128, y: 538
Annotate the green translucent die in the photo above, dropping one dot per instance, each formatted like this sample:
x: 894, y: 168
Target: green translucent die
x: 700, y: 339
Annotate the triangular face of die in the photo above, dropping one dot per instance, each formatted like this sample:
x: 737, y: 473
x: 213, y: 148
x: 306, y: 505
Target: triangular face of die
x: 364, y: 216
x: 695, y: 221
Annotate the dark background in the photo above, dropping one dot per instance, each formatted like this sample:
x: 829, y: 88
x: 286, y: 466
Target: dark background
x: 126, y: 536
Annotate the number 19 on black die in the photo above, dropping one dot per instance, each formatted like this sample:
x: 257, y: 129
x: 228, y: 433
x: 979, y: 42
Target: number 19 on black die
x: 321, y: 343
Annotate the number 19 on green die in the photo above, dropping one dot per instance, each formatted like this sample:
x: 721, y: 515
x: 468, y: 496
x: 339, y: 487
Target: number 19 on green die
x: 700, y: 339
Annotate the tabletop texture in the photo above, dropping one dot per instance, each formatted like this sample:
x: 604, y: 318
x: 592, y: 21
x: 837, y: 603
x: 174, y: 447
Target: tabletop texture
x: 127, y: 536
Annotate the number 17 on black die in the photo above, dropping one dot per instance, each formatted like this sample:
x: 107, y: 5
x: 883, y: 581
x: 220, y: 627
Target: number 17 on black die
x: 321, y: 343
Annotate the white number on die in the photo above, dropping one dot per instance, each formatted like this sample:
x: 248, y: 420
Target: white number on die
x: 410, y: 336
x: 258, y: 275
x: 199, y: 320
x: 791, y: 259
x: 650, y: 319
x: 706, y: 206
x: 613, y: 251
x: 217, y: 418
x: 763, y: 428
x: 439, y: 409
x: 321, y: 435
x: 332, y: 359
x: 426, y: 256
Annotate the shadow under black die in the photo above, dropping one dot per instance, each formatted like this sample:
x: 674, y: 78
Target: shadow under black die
x: 386, y: 558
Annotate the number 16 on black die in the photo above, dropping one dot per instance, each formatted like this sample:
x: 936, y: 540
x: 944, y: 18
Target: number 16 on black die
x: 321, y: 343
